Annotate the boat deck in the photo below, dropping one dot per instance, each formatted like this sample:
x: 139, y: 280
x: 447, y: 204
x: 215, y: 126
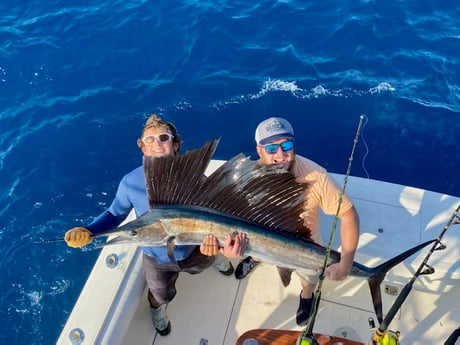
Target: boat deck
x: 210, y: 308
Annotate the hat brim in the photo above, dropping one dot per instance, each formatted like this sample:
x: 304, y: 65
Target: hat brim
x: 275, y: 137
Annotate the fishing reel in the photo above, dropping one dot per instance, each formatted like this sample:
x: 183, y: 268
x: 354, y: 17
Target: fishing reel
x: 383, y: 337
x: 306, y: 340
x: 387, y: 338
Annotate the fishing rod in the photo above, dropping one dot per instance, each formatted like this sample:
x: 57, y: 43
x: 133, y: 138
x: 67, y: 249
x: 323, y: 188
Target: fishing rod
x: 306, y: 338
x: 381, y: 332
x: 454, y: 336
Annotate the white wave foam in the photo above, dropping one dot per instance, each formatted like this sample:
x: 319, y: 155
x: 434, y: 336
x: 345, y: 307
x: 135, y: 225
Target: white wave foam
x: 34, y: 297
x: 382, y: 87
x: 279, y: 85
x: 319, y: 91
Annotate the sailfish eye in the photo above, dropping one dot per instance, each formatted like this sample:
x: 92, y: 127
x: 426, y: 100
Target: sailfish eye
x: 133, y: 233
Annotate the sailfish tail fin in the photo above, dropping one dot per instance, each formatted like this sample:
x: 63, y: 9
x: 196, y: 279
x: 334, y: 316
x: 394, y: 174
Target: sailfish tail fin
x: 379, y: 272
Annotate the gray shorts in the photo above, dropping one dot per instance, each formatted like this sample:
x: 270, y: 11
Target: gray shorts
x: 161, y: 278
x: 310, y: 276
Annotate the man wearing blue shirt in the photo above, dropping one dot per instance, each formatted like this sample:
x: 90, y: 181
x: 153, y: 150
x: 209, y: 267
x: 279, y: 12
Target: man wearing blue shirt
x: 159, y: 139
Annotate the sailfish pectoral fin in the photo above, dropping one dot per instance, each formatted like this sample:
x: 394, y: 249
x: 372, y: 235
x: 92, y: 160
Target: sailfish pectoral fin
x: 285, y: 275
x: 170, y: 249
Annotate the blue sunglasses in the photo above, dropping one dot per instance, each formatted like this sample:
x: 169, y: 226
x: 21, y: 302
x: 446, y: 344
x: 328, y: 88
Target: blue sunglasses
x: 285, y: 146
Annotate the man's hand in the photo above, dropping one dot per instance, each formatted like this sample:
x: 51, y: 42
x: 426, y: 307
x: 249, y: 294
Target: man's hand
x: 209, y: 246
x: 234, y: 246
x: 337, y: 271
x: 78, y: 237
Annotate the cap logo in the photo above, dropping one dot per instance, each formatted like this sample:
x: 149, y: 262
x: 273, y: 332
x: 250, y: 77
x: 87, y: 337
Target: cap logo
x: 275, y: 126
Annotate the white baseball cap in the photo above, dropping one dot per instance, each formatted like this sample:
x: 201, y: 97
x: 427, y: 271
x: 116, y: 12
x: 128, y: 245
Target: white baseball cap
x: 273, y: 128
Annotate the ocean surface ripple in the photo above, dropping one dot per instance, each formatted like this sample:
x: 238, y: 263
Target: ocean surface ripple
x: 78, y: 79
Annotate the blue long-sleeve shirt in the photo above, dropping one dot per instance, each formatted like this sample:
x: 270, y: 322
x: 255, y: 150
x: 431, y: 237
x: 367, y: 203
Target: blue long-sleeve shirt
x: 131, y: 194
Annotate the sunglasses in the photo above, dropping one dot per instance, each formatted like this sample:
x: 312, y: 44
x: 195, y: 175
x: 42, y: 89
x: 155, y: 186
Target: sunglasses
x: 285, y: 146
x: 163, y: 137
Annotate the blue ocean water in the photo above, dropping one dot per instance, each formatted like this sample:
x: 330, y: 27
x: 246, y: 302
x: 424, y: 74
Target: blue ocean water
x: 79, y: 78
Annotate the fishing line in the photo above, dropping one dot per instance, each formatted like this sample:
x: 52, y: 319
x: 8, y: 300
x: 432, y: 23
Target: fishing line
x: 363, y: 164
x: 54, y: 240
x: 307, y: 336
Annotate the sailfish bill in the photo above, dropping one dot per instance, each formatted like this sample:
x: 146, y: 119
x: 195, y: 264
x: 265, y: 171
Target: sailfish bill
x: 263, y: 201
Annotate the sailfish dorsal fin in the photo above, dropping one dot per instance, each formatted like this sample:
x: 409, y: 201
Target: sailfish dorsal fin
x: 264, y: 194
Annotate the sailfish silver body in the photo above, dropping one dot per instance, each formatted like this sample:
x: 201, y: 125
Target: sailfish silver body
x: 188, y: 225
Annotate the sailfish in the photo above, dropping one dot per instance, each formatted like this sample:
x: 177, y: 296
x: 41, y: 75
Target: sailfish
x: 262, y: 201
